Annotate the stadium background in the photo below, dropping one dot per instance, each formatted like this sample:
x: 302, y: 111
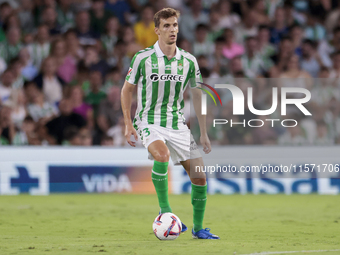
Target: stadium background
x: 63, y: 63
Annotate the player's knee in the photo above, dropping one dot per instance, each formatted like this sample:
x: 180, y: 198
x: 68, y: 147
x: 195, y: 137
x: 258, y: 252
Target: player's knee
x: 199, y: 181
x: 162, y: 156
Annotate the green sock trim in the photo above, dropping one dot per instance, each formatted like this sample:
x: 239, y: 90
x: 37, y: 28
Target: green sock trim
x: 160, y: 181
x: 160, y: 167
x: 198, y: 201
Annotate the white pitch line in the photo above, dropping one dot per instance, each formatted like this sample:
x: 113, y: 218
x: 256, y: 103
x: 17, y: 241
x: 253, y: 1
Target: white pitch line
x: 283, y: 252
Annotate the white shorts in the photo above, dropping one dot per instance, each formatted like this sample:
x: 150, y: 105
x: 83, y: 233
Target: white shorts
x: 180, y: 143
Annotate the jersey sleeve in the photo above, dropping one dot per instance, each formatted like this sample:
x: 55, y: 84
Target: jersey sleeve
x: 195, y: 76
x: 134, y: 70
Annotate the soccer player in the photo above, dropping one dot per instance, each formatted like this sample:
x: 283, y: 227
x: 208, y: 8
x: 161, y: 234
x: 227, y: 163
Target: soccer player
x: 162, y: 72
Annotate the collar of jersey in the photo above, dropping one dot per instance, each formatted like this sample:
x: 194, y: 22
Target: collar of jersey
x: 160, y: 53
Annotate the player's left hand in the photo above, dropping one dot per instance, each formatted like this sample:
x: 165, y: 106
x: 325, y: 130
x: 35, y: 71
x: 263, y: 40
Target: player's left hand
x: 205, y: 143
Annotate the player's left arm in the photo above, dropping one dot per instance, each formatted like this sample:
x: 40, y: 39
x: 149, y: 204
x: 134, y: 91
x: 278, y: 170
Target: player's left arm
x: 197, y: 102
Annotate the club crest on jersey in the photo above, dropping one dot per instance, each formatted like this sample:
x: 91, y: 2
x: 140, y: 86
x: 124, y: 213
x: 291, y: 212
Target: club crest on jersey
x: 180, y: 66
x: 166, y: 77
x: 154, y: 66
x: 168, y: 67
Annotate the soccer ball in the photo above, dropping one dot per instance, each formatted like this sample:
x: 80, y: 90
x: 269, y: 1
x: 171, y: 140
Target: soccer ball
x: 167, y: 226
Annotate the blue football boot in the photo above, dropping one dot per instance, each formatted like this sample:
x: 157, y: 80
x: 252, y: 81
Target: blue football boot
x: 204, y: 233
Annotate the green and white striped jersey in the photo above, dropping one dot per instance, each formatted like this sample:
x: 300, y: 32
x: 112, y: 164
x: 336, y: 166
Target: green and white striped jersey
x: 161, y: 84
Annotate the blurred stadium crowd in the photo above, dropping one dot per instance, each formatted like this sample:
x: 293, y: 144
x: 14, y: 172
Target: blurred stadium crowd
x: 63, y: 63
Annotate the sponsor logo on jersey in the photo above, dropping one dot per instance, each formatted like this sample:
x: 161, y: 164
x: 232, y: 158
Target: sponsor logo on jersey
x: 166, y: 77
x: 198, y: 72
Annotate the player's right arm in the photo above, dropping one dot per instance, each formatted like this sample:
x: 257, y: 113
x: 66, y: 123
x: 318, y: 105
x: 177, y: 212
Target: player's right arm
x: 126, y: 101
x: 131, y: 81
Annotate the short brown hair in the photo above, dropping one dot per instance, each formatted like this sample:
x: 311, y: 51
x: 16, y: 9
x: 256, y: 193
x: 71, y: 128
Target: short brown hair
x: 165, y: 13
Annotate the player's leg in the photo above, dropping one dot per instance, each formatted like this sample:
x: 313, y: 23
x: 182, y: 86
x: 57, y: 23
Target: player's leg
x: 198, y: 191
x: 161, y: 155
x: 198, y: 197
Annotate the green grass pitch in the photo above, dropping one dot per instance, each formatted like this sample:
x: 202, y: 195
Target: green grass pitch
x: 122, y: 224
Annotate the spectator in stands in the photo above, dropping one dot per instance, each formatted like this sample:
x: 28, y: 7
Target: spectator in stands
x: 202, y: 45
x: 113, y: 78
x: 260, y: 11
x: 266, y: 49
x: 144, y: 29
x: 86, y: 35
x: 7, y: 128
x: 314, y: 30
x: 129, y: 40
x: 109, y: 110
x: 7, y: 79
x: 121, y: 9
x: 72, y: 136
x: 190, y: 20
x: 106, y: 141
x: 310, y: 61
x: 40, y: 49
x: 85, y: 137
x: 185, y: 45
x: 110, y: 37
x: 285, y: 51
x: 335, y: 72
x: 66, y: 64
x: 49, y: 82
x: 79, y: 106
x: 235, y: 70
x: 3, y: 65
x: 119, y: 57
x: 217, y: 59
x: 27, y: 134
x: 49, y: 18
x: 28, y: 70
x: 332, y: 19
x: 99, y: 16
x: 65, y: 15
x: 93, y: 62
x: 248, y: 28
x: 294, y: 76
x: 215, y: 30
x: 279, y: 28
x: 5, y: 11
x: 296, y: 33
x: 18, y: 101
x: 252, y: 62
x: 231, y: 49
x: 12, y: 21
x: 96, y: 95
x: 40, y: 110
x: 227, y: 19
x: 67, y: 118
x: 74, y: 49
x: 10, y: 48
x: 16, y: 67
